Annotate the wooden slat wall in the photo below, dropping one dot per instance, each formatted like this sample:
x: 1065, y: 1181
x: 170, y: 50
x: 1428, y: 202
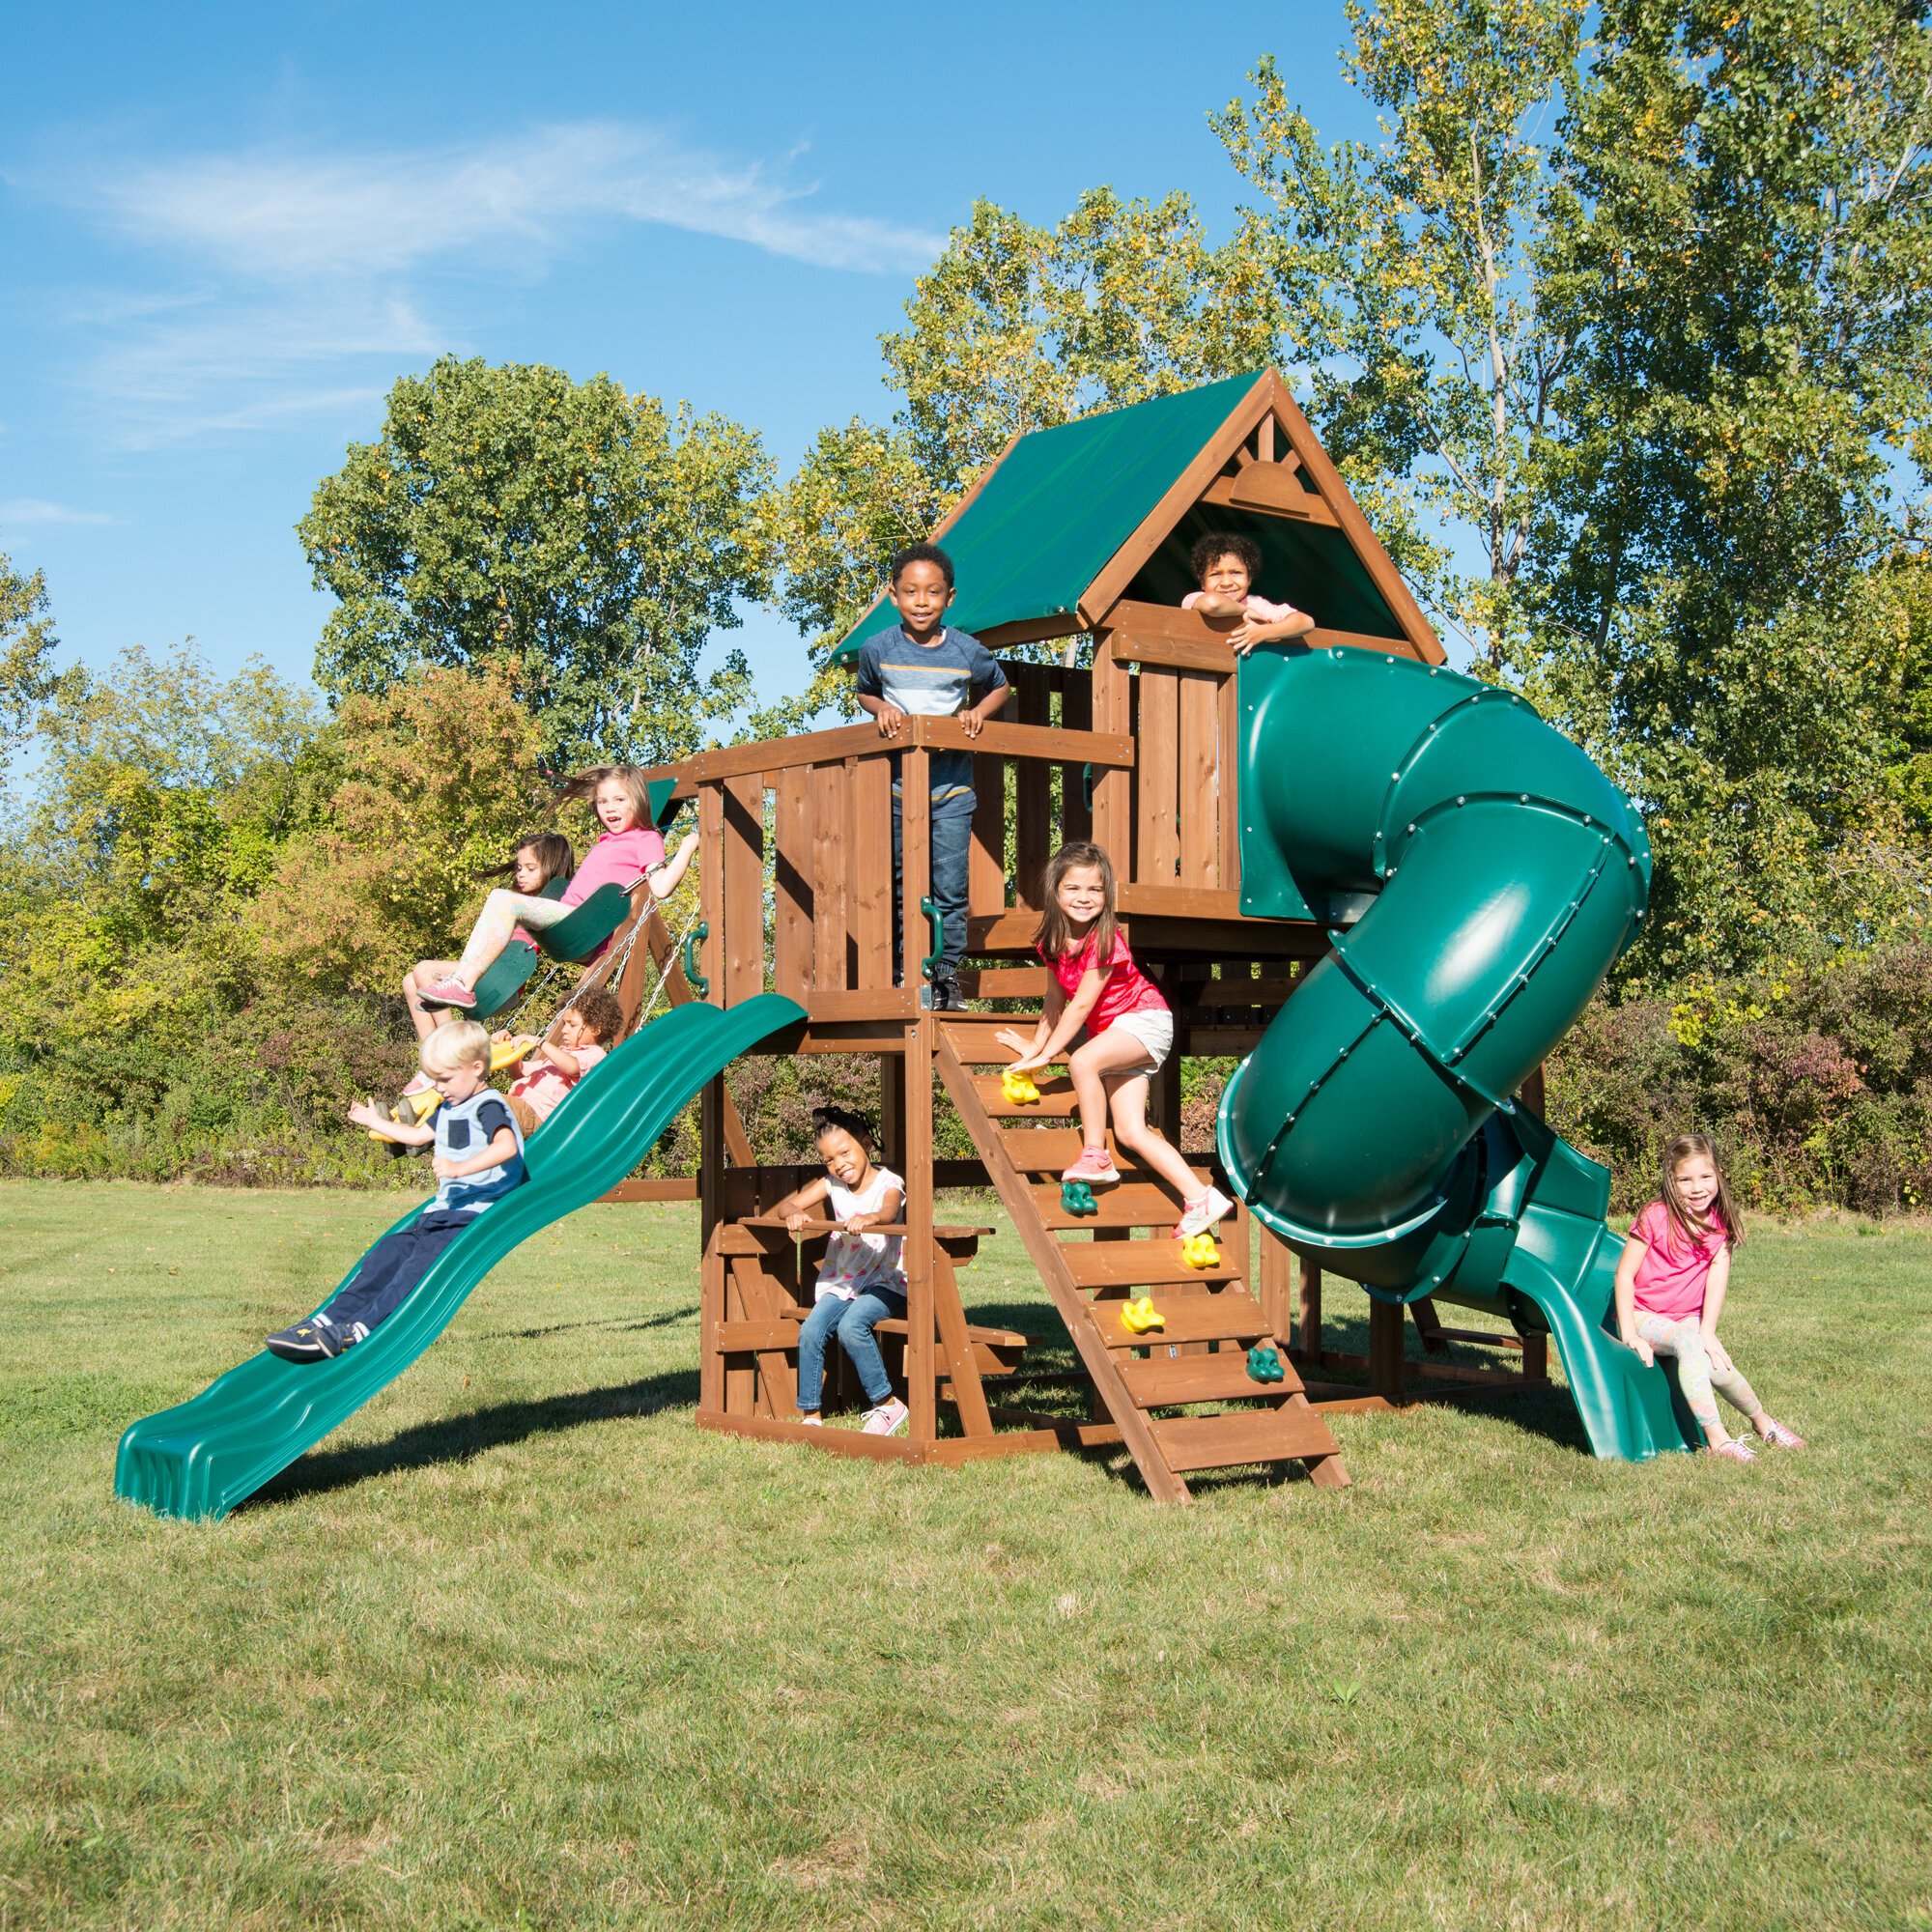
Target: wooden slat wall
x: 986, y: 864
x: 1076, y: 714
x: 1199, y: 764
x: 1033, y: 816
x: 792, y: 885
x: 868, y: 837
x: 1157, y: 800
x: 828, y: 862
x: 744, y: 868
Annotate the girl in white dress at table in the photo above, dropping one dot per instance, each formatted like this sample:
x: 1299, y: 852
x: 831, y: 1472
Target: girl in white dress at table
x: 861, y: 1280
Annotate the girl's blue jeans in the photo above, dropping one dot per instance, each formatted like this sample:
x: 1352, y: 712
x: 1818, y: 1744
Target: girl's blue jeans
x: 853, y: 1320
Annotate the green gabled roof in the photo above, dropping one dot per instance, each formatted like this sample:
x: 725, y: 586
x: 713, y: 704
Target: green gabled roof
x: 1060, y: 503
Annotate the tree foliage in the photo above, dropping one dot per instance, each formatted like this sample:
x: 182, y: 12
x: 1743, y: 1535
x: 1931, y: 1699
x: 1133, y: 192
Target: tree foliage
x: 441, y: 776
x: 595, y: 538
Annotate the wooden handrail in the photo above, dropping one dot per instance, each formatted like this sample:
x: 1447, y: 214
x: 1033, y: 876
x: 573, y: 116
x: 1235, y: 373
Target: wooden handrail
x: 1112, y: 749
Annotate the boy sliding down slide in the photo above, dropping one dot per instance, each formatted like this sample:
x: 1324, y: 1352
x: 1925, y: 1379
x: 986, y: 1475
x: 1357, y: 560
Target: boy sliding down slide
x: 479, y: 1158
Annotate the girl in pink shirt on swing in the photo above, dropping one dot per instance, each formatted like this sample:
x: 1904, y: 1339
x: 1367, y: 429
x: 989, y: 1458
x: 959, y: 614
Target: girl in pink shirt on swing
x: 627, y: 850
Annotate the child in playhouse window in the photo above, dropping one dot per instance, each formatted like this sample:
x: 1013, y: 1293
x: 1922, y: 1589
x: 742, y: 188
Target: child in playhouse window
x: 1225, y: 567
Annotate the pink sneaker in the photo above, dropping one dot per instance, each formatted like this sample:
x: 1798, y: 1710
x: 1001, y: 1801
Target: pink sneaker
x: 448, y: 993
x: 1776, y: 1436
x: 885, y: 1418
x: 1197, y: 1216
x: 1096, y: 1167
x: 421, y: 1084
x: 1735, y: 1451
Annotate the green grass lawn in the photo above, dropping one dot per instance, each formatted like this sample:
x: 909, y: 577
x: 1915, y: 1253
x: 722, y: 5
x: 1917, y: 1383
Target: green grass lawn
x: 520, y: 1645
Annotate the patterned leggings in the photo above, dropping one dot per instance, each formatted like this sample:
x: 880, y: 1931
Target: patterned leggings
x: 503, y: 913
x: 1695, y: 1376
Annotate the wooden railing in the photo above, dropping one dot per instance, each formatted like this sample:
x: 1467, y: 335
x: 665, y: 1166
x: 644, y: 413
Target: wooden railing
x: 1140, y: 754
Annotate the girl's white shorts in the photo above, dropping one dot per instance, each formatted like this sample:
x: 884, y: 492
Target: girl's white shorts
x: 1153, y: 1028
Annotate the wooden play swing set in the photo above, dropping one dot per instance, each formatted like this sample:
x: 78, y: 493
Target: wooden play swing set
x: 1138, y: 753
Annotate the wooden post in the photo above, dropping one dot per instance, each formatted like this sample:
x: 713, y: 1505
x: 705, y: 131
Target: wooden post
x: 922, y: 1358
x: 1308, y: 1337
x: 893, y: 1109
x: 711, y: 1273
x: 1385, y: 1333
x: 1274, y: 1273
x: 915, y: 867
x: 1536, y: 1358
x: 711, y: 890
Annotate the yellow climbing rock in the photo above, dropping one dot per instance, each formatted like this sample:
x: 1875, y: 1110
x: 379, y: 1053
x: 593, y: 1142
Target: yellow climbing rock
x: 1198, y: 1251
x: 1019, y: 1089
x: 1138, y: 1316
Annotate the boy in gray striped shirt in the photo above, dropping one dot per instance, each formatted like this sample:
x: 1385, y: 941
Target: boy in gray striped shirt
x: 920, y: 667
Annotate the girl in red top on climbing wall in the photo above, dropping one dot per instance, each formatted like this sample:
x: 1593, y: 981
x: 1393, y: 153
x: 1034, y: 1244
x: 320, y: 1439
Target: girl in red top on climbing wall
x: 1671, y: 1279
x: 1118, y: 1026
x: 627, y: 850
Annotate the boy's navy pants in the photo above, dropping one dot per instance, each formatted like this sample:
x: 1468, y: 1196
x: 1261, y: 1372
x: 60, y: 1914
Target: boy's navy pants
x: 951, y: 849
x: 393, y: 1267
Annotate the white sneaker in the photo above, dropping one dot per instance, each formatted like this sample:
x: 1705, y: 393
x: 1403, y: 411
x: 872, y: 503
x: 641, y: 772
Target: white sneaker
x: 886, y: 1419
x: 812, y: 1421
x: 1201, y: 1215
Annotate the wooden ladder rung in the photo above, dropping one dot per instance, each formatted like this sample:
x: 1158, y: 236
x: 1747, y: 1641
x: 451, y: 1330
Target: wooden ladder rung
x: 1167, y: 1381
x: 1242, y: 1435
x: 1136, y: 1265
x: 1134, y: 1204
x: 1228, y: 1317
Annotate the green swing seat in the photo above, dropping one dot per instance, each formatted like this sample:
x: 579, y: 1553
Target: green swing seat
x: 576, y: 936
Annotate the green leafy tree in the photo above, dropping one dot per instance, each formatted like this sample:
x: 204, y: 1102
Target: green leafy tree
x: 440, y: 773
x: 164, y: 797
x: 1713, y: 600
x: 1407, y: 279
x: 27, y: 644
x: 1015, y: 327
x: 595, y: 538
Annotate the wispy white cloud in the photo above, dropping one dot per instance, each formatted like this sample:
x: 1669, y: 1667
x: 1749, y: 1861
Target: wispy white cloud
x: 20, y: 510
x: 299, y: 282
x: 270, y: 217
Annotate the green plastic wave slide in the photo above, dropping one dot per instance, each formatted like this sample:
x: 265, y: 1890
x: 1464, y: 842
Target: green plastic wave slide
x: 205, y: 1456
x: 1488, y: 875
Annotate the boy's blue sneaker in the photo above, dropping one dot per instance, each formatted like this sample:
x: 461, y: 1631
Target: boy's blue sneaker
x: 300, y: 1344
x: 316, y: 1340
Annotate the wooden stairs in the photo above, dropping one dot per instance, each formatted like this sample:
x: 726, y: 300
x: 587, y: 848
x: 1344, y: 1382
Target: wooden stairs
x: 1154, y: 1386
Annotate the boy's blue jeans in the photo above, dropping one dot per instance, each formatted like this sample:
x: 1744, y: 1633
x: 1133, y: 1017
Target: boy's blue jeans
x: 853, y: 1320
x: 952, y: 843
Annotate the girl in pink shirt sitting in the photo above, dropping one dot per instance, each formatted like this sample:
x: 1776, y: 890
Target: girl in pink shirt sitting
x: 1226, y: 567
x: 627, y: 850
x: 1670, y: 1290
x: 1112, y: 1017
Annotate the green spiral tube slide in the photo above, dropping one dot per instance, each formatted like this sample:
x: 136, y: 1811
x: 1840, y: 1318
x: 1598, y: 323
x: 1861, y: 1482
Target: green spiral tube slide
x: 203, y: 1457
x: 1489, y: 875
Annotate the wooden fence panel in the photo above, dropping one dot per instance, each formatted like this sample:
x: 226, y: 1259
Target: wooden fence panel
x: 869, y: 839
x: 744, y: 888
x: 828, y: 878
x: 1157, y: 851
x: 986, y: 864
x: 1198, y: 771
x: 791, y: 885
x: 1033, y: 816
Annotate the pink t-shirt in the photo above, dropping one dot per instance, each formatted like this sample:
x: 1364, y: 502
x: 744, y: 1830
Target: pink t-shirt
x: 1258, y: 608
x: 541, y: 1086
x: 1126, y: 989
x: 1670, y: 1278
x: 619, y: 857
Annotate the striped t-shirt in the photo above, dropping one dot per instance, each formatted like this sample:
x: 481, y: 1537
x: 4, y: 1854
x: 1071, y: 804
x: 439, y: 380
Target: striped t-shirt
x: 936, y: 680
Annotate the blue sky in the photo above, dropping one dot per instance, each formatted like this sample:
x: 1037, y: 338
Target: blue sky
x: 228, y: 229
